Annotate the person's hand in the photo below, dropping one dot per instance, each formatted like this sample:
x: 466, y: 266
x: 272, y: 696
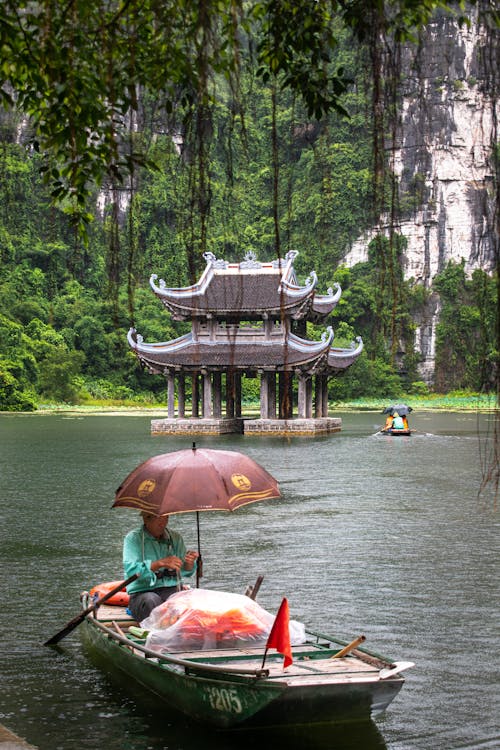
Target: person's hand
x: 171, y: 562
x: 191, y: 556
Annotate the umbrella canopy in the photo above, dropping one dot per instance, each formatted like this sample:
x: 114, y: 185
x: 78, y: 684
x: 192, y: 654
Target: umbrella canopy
x: 196, y: 479
x: 401, y: 409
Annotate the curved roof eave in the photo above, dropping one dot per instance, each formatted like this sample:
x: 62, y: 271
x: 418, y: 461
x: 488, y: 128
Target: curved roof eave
x: 170, y: 294
x: 341, y: 359
x: 186, y: 352
x: 293, y: 290
x: 316, y: 347
x: 137, y: 343
x: 323, y: 304
x: 166, y: 293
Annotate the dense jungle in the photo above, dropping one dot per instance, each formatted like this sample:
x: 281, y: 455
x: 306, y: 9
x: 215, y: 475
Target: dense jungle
x: 251, y: 159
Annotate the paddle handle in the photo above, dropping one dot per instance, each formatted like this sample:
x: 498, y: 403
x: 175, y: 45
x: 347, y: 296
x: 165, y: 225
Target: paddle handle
x: 252, y: 591
x: 350, y: 647
x: 72, y: 624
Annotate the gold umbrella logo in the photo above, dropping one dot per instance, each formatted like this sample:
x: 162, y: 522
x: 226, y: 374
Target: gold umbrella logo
x: 146, y: 488
x: 241, y: 482
x: 243, y: 496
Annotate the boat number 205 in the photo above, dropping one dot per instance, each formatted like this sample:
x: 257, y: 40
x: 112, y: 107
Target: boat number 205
x: 224, y: 699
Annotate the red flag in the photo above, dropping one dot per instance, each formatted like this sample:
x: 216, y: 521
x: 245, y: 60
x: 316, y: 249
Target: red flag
x: 279, y: 637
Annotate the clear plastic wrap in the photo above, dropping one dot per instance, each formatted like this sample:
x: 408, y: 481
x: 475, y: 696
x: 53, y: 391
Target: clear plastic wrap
x: 205, y: 619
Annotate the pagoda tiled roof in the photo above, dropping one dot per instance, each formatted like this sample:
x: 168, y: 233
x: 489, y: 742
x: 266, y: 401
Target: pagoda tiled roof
x: 241, y: 351
x: 247, y: 290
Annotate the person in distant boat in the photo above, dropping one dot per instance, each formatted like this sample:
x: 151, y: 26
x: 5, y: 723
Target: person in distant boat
x: 388, y: 422
x: 160, y: 557
x: 405, y: 421
x: 397, y: 423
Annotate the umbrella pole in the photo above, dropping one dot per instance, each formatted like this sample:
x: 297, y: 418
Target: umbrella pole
x: 199, y: 562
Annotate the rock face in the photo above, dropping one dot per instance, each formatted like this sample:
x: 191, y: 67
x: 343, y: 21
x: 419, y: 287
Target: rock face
x: 443, y: 161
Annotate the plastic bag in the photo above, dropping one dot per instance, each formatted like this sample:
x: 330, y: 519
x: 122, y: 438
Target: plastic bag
x: 206, y: 619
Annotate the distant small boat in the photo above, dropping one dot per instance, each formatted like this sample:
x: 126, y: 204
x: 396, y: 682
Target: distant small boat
x: 394, y: 431
x: 397, y: 420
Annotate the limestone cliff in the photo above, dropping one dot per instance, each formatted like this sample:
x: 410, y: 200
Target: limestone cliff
x: 443, y: 160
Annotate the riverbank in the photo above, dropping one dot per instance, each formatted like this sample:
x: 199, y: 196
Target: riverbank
x: 435, y: 402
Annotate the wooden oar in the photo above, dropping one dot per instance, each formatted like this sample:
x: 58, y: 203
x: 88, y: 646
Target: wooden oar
x: 81, y: 617
x: 252, y: 591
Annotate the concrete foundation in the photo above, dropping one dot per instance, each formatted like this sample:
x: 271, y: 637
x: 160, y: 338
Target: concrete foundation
x: 196, y: 426
x: 296, y: 426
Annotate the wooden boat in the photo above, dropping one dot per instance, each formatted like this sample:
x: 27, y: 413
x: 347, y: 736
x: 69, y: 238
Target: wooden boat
x: 328, y: 680
x: 394, y: 411
x: 395, y: 432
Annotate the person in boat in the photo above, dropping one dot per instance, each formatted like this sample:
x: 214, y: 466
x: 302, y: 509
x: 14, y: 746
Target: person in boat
x: 160, y: 557
x: 397, y: 422
x: 388, y: 422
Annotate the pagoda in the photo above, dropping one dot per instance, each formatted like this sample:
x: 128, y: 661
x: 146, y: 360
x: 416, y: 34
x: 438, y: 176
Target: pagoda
x: 247, y: 319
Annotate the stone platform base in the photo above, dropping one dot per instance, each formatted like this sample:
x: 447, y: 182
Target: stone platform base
x: 320, y: 426
x: 317, y: 426
x: 196, y: 426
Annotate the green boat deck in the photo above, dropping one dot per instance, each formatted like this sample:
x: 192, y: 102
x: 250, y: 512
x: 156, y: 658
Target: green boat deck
x: 313, y: 662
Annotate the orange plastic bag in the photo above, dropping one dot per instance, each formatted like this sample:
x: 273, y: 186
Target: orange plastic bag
x: 205, y: 619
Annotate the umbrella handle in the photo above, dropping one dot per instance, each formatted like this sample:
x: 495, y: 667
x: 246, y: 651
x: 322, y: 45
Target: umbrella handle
x: 199, y: 571
x: 199, y: 562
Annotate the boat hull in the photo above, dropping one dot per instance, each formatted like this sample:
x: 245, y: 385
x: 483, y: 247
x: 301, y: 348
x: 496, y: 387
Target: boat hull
x: 396, y: 433
x: 232, y: 701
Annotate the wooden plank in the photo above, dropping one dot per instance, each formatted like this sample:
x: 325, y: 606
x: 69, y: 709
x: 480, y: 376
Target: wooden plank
x: 108, y: 612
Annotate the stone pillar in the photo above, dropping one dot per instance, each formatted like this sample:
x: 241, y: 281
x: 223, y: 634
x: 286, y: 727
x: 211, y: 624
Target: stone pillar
x: 309, y: 395
x: 325, y: 395
x: 281, y: 395
x: 181, y: 396
x: 207, y: 395
x: 170, y: 395
x: 230, y: 394
x: 217, y: 395
x: 318, y: 396
x: 290, y: 396
x: 302, y: 397
x: 237, y: 394
x: 272, y: 395
x: 195, y: 410
x: 264, y: 394
x: 285, y: 395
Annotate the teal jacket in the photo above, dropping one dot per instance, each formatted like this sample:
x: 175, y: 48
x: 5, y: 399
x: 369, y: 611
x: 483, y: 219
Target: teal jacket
x: 140, y: 549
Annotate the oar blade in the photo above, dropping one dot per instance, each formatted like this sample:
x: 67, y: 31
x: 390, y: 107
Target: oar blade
x: 72, y: 624
x: 66, y: 630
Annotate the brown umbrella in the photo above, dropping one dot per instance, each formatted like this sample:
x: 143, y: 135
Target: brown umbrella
x: 196, y: 479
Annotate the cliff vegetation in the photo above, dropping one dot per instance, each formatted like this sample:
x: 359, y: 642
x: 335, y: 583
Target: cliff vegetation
x: 136, y: 136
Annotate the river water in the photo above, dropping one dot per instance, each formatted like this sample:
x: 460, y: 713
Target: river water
x: 386, y: 537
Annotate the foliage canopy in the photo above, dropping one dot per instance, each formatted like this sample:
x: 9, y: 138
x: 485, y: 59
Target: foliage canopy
x: 77, y: 68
